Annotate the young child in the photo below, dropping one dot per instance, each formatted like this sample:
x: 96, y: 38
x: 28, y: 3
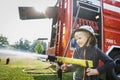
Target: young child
x: 87, y: 50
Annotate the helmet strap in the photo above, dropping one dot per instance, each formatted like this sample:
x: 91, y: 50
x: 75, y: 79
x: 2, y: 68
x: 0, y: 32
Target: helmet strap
x: 85, y: 45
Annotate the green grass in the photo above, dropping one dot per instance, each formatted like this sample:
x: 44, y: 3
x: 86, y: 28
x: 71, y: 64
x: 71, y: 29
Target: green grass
x: 14, y: 70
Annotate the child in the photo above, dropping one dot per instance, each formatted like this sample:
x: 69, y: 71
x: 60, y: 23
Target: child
x: 87, y: 50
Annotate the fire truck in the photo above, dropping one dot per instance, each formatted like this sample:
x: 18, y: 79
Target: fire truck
x: 102, y: 15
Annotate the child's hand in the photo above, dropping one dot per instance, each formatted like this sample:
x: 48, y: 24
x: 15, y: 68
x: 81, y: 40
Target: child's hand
x: 92, y: 72
x: 63, y: 67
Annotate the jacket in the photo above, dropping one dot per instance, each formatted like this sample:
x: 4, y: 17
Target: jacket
x: 95, y: 54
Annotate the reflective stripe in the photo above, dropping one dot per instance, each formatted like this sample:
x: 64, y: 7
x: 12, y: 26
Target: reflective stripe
x: 111, y: 7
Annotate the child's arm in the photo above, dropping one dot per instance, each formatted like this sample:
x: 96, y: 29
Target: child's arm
x: 108, y: 62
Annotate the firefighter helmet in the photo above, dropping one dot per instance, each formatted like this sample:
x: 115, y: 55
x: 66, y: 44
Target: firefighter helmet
x: 88, y: 29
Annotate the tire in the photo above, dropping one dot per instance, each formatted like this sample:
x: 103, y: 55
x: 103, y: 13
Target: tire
x: 116, y: 70
x: 114, y: 74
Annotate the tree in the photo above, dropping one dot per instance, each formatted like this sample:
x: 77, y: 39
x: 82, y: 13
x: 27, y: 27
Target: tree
x: 39, y: 48
x: 26, y: 45
x: 3, y: 41
x: 44, y: 46
x: 22, y: 45
x: 32, y: 47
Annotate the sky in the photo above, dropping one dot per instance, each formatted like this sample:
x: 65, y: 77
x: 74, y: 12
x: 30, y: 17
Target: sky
x: 12, y: 27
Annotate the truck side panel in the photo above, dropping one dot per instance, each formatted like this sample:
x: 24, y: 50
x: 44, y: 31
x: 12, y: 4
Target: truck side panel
x: 111, y: 24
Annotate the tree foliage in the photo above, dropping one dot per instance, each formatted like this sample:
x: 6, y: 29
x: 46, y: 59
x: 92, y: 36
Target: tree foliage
x: 3, y: 41
x: 35, y: 43
x: 23, y: 45
x: 39, y: 48
x: 32, y: 47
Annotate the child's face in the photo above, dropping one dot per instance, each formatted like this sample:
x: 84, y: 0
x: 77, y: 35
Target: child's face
x: 81, y: 38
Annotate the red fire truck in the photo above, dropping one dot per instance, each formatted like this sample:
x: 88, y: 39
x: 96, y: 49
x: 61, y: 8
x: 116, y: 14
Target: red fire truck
x: 103, y: 16
x: 67, y: 15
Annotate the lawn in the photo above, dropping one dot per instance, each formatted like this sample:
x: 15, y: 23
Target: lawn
x: 28, y: 69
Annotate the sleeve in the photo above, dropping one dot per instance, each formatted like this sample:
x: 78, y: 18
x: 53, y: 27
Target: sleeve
x: 108, y: 62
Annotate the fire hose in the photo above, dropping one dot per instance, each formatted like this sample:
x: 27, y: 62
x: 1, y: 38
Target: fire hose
x: 80, y: 62
x: 61, y: 60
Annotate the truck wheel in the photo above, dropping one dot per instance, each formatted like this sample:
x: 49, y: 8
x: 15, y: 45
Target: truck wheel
x: 114, y: 74
x: 116, y: 70
x: 114, y: 53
